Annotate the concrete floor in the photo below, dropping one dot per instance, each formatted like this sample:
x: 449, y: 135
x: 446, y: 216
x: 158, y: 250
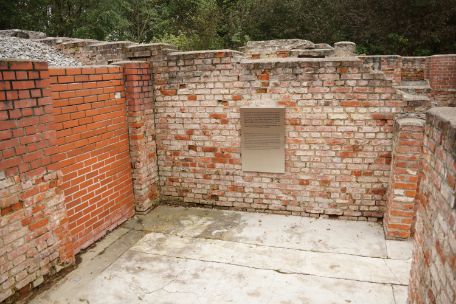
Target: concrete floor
x: 179, y: 255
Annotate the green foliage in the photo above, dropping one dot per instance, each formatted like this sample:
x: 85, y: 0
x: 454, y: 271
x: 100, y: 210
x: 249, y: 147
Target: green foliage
x: 398, y: 42
x: 181, y: 40
x: 406, y: 27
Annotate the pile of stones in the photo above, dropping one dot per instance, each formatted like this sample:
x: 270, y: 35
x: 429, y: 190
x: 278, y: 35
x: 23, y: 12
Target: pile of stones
x: 19, y: 48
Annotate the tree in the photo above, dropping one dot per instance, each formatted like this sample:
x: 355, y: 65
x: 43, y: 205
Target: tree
x: 406, y: 27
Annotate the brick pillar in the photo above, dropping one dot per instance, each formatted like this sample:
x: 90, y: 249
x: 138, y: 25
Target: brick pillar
x: 141, y: 128
x: 404, y: 179
x: 33, y: 220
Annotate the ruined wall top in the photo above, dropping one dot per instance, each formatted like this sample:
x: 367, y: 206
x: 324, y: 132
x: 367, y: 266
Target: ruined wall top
x: 297, y: 48
x: 88, y: 50
x: 275, y: 45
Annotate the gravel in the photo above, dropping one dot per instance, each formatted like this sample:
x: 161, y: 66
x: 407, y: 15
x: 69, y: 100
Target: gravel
x: 18, y: 48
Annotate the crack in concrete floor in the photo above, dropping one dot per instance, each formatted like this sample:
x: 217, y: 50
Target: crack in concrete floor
x: 269, y: 246
x: 139, y: 247
x: 271, y: 269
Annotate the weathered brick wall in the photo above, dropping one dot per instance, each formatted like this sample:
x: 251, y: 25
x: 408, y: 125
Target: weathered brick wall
x: 398, y: 68
x: 140, y: 113
x: 32, y: 213
x: 413, y: 68
x: 405, y: 176
x: 436, y: 70
x: 434, y: 256
x: 152, y: 52
x: 339, y: 120
x: 283, y: 48
x: 425, y: 81
x: 442, y: 79
x: 75, y: 166
x: 92, y: 149
x: 66, y: 171
x: 89, y: 51
x: 390, y: 65
x: 108, y: 52
x: 76, y: 48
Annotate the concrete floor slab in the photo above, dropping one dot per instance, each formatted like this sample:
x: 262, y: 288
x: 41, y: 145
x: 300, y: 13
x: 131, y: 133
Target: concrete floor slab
x: 93, y: 262
x: 179, y: 255
x: 400, y: 294
x: 143, y: 278
x: 399, y: 250
x: 359, y: 238
x: 283, y: 260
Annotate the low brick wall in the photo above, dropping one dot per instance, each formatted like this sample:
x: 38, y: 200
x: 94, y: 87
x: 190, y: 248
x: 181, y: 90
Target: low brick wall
x: 92, y: 149
x: 434, y: 255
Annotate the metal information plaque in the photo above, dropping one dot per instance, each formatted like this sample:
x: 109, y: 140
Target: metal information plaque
x: 263, y: 139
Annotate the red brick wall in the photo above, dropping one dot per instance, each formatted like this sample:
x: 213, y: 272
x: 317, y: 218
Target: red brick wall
x: 442, y: 79
x: 92, y: 149
x: 140, y: 113
x: 442, y: 72
x: 65, y: 170
x: 434, y: 255
x: 404, y: 179
x: 339, y: 123
x: 32, y: 213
